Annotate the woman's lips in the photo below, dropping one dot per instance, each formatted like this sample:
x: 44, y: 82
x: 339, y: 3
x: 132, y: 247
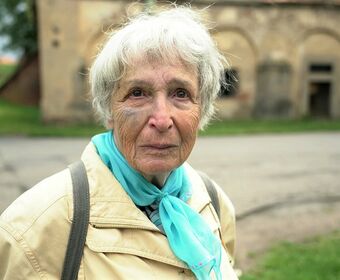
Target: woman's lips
x: 159, y: 146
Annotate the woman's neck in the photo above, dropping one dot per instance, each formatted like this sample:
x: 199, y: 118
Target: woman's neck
x: 158, y: 180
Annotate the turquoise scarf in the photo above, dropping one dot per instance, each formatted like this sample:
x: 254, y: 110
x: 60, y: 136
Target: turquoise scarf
x: 189, y: 236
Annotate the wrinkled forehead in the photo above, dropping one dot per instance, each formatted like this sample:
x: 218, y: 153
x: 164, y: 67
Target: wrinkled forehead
x: 157, y: 74
x: 155, y: 59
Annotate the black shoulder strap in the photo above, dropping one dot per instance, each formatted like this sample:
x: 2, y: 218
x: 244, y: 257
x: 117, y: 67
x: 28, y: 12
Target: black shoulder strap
x: 81, y: 210
x: 212, y: 192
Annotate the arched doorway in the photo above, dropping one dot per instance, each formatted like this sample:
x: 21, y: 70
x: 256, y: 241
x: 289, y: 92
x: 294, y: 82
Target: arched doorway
x: 321, y: 91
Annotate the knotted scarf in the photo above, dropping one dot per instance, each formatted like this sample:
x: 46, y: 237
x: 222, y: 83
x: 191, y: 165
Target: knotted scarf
x: 189, y: 236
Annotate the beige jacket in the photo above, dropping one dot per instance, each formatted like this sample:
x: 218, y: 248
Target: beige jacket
x: 121, y: 242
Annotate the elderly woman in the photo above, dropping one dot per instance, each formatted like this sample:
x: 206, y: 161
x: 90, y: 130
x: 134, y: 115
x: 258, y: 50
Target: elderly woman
x: 151, y: 217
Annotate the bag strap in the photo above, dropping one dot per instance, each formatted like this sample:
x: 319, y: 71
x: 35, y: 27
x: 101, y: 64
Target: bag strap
x: 81, y: 213
x: 212, y: 192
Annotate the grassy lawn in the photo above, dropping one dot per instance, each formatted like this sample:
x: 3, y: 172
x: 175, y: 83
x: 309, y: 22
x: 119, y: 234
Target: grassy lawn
x: 316, y: 259
x: 23, y: 120
x: 6, y: 71
x: 235, y: 127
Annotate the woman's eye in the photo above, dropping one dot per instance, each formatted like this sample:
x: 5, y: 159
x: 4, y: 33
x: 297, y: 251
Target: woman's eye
x: 136, y: 93
x: 181, y: 94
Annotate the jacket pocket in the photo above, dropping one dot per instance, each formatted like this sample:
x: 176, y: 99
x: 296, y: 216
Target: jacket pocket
x: 132, y: 241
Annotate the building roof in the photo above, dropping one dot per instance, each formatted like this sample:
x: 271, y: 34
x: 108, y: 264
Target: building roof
x: 270, y: 2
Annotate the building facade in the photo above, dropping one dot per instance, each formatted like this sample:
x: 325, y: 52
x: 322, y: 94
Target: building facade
x: 284, y: 55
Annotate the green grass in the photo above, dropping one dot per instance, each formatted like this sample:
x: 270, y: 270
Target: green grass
x: 6, y: 71
x: 317, y: 259
x: 24, y: 120
x: 236, y: 127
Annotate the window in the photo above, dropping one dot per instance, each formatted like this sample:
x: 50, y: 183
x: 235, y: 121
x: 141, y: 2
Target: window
x: 232, y: 83
x: 320, y: 68
x: 320, y: 88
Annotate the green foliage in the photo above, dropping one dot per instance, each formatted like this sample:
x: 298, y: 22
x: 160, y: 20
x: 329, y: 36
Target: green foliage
x: 312, y: 260
x: 18, y: 23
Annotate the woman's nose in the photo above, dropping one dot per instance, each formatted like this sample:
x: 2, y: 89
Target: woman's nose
x: 161, y: 116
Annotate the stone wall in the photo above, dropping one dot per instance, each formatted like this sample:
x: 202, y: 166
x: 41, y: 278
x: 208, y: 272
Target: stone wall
x: 23, y: 86
x: 293, y: 36
x: 272, y: 48
x: 61, y: 61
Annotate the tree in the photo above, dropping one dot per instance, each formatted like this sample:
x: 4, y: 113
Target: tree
x: 18, y: 24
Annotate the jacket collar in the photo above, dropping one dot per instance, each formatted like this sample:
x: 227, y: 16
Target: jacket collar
x: 111, y: 206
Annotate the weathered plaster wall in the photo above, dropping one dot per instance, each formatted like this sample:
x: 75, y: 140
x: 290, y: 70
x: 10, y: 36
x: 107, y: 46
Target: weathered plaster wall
x: 250, y: 36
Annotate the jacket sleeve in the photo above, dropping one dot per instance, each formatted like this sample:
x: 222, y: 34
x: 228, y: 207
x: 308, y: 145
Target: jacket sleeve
x: 227, y: 221
x: 16, y: 260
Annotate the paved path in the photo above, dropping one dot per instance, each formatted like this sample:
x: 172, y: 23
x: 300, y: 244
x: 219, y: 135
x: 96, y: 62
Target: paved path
x: 284, y: 187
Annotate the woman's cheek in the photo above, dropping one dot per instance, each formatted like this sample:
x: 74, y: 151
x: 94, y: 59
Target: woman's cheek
x: 188, y: 129
x: 125, y: 116
x: 190, y: 121
x: 128, y: 122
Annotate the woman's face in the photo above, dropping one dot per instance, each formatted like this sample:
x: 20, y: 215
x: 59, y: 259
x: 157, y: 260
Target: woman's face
x: 156, y: 114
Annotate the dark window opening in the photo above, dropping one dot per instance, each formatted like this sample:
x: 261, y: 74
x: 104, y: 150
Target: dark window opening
x: 230, y: 89
x: 319, y: 99
x: 320, y: 68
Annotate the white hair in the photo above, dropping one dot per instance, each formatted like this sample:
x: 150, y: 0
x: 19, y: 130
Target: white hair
x: 177, y: 33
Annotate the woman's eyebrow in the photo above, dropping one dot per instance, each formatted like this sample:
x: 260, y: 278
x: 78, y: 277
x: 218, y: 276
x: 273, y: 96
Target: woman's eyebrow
x: 181, y: 83
x: 137, y: 82
x: 174, y: 82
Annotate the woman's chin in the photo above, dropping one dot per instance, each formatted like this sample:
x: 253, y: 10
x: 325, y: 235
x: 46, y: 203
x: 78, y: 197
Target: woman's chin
x: 157, y: 168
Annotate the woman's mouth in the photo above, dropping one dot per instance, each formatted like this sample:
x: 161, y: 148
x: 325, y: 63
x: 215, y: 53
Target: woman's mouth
x: 159, y: 146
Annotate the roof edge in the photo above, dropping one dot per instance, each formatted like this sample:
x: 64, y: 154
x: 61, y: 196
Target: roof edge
x: 315, y: 3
